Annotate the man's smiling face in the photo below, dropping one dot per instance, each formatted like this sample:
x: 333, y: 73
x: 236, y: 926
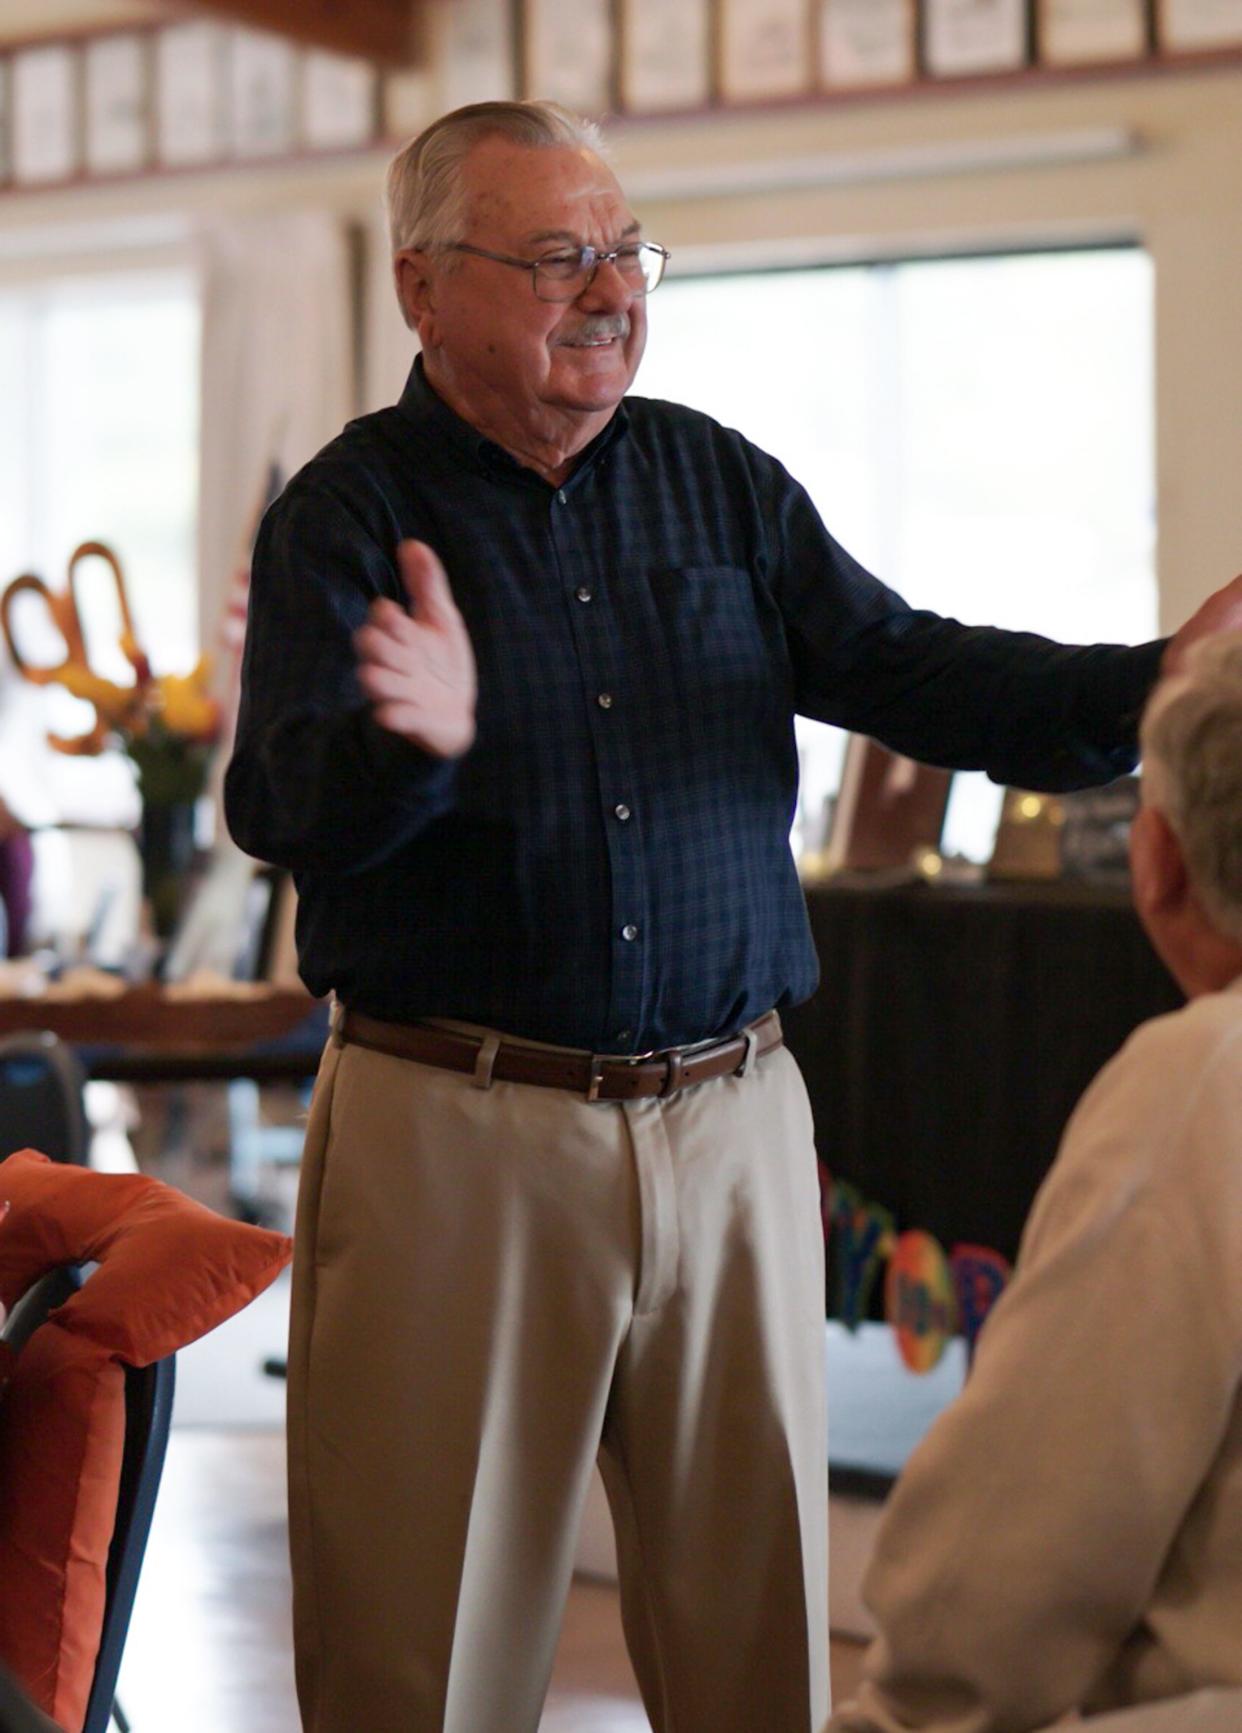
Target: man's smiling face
x: 487, y: 334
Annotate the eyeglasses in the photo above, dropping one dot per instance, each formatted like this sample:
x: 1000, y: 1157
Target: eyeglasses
x: 565, y: 275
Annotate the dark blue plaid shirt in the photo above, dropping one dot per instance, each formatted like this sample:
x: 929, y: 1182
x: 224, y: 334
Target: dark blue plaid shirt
x: 608, y: 866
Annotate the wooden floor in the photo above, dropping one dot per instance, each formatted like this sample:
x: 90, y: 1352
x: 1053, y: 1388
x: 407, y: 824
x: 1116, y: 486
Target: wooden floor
x: 209, y: 1648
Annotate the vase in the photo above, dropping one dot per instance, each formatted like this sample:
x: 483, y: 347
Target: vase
x: 166, y: 845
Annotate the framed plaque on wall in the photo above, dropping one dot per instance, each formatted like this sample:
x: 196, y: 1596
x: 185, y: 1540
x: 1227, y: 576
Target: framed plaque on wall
x: 567, y: 53
x: 118, y: 135
x: 44, y: 99
x: 864, y: 42
x: 189, y: 94
x: 1077, y: 32
x: 665, y: 54
x: 1191, y: 26
x: 338, y: 101
x: 262, y: 89
x: 473, y: 48
x: 965, y: 37
x: 765, y: 49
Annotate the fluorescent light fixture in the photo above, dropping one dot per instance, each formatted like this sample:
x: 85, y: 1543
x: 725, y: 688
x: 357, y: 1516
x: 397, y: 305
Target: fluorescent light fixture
x: 861, y: 168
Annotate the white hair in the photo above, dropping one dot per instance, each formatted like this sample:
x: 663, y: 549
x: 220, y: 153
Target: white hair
x: 424, y: 191
x: 1192, y: 772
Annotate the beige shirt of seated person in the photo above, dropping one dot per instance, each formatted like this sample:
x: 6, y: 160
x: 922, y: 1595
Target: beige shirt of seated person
x: 1069, y: 1534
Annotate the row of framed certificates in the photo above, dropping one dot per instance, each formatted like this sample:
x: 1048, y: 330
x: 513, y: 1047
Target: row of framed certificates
x: 183, y: 96
x: 681, y: 54
x: 195, y: 94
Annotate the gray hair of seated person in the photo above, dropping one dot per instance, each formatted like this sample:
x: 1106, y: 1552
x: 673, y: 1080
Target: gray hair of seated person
x: 424, y: 192
x: 1192, y: 772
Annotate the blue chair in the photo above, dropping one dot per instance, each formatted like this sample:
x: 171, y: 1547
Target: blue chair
x: 148, y: 1413
x: 41, y: 1098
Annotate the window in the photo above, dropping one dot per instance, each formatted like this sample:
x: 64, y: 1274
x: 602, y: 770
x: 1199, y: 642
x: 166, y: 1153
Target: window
x: 978, y: 431
x: 98, y: 442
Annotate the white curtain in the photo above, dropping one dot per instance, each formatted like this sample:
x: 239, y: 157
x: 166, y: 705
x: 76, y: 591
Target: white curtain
x: 278, y: 381
x: 388, y: 348
x: 278, y: 375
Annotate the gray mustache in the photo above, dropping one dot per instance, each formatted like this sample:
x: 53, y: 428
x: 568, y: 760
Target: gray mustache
x: 604, y: 325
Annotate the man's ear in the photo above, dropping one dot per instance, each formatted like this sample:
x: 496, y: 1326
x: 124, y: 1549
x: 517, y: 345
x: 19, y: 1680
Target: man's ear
x: 412, y: 274
x: 1157, y: 867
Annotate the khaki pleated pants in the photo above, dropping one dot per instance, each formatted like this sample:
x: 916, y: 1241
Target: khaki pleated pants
x: 494, y: 1286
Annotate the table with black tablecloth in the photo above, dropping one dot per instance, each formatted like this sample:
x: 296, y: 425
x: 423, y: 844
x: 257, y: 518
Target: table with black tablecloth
x: 953, y: 1031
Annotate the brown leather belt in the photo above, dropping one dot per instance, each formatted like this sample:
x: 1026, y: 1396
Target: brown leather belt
x: 492, y: 1059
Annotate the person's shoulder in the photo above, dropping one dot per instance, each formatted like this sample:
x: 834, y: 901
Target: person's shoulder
x: 1159, y: 1129
x: 1174, y: 1074
x: 659, y: 416
x: 1201, y: 1036
x: 366, y: 447
x: 669, y: 428
x: 353, y: 474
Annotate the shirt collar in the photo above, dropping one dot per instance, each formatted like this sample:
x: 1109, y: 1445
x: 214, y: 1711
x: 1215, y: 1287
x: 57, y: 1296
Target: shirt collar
x: 422, y: 406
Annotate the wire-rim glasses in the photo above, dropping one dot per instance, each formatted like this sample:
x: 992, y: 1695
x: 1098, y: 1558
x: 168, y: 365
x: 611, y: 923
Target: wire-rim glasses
x: 568, y: 273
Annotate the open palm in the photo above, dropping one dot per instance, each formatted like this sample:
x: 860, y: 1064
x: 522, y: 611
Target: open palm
x: 417, y: 668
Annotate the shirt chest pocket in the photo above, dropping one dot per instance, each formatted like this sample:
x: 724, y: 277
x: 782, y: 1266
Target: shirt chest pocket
x: 717, y: 630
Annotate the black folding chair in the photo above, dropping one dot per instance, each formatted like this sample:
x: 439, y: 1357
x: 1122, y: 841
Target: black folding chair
x: 41, y: 1098
x: 148, y: 1412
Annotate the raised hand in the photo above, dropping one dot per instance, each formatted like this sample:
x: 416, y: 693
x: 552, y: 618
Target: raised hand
x: 1222, y: 612
x: 417, y: 668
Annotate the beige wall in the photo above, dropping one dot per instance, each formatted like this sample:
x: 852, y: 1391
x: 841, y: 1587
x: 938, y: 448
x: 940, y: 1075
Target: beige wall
x: 1157, y: 159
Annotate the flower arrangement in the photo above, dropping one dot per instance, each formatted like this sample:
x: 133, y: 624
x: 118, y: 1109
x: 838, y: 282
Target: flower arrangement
x: 166, y: 725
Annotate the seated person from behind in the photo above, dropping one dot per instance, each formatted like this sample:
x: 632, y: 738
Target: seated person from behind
x: 1069, y: 1534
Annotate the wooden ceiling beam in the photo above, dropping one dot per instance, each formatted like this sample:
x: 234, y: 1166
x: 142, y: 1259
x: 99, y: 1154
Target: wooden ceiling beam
x: 389, y: 31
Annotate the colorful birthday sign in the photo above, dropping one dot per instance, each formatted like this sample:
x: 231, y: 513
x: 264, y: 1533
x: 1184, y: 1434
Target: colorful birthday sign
x: 930, y: 1296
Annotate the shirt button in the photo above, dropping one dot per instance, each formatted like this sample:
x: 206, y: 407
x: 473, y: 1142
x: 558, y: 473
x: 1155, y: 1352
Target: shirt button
x: 604, y: 700
x: 622, y: 811
x: 624, y: 1035
x: 560, y: 494
x: 584, y: 593
x: 630, y: 931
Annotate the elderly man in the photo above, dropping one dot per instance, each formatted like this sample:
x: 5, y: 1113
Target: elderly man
x: 1069, y: 1534
x: 559, y: 1195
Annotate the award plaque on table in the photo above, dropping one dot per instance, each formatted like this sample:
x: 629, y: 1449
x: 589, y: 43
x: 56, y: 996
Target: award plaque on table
x: 1079, y: 32
x: 44, y: 100
x: 1198, y: 26
x: 1095, y: 836
x: 262, y: 92
x: 118, y: 137
x: 665, y: 55
x: 867, y: 42
x: 965, y: 38
x: 889, y: 808
x: 1028, y: 841
x: 338, y: 102
x: 189, y: 95
x: 765, y: 49
x: 567, y: 53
